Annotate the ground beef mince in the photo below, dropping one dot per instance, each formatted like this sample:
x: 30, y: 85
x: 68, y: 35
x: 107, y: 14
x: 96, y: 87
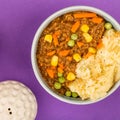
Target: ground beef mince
x: 63, y: 43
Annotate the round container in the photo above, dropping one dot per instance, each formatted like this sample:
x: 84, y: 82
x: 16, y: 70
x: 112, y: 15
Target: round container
x: 17, y: 101
x: 106, y: 16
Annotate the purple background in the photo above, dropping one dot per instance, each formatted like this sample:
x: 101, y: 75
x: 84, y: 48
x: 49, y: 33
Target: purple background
x: 19, y: 20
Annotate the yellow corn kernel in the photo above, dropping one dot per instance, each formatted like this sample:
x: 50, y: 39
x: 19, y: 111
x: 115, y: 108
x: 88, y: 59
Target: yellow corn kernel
x: 70, y: 76
x: 87, y: 37
x: 92, y: 50
x: 84, y: 28
x: 48, y: 38
x: 54, y: 60
x: 76, y: 57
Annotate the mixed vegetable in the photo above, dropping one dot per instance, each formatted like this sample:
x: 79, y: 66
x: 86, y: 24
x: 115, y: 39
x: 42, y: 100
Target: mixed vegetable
x: 64, y: 45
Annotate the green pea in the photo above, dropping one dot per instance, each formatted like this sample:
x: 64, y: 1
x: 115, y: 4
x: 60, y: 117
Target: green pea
x: 71, y: 43
x: 57, y: 85
x: 60, y: 74
x: 74, y: 94
x: 108, y: 26
x: 61, y: 79
x: 68, y: 93
x: 74, y: 36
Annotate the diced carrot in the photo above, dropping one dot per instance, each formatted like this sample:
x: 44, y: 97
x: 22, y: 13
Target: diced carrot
x: 55, y: 40
x: 60, y: 70
x: 69, y: 58
x: 61, y: 65
x: 84, y: 15
x: 87, y: 55
x: 50, y: 72
x: 97, y: 20
x: 75, y: 26
x: 51, y: 53
x: 80, y: 44
x: 100, y: 45
x: 64, y: 52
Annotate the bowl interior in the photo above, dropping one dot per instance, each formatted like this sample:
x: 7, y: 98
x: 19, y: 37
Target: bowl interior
x: 106, y: 16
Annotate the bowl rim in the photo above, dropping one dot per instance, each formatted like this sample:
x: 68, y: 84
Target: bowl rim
x: 38, y: 76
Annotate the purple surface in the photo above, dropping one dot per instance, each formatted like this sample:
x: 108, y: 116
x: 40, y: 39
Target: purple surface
x: 19, y: 20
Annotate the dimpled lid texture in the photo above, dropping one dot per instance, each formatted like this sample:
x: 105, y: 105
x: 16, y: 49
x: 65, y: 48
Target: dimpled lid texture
x: 17, y: 102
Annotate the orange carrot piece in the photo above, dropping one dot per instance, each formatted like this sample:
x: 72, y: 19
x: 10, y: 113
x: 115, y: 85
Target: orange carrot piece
x: 87, y: 55
x: 84, y: 15
x: 69, y: 58
x: 51, y: 53
x: 55, y: 40
x: 61, y: 65
x: 75, y: 26
x: 80, y: 44
x: 64, y: 52
x: 60, y: 70
x: 50, y: 72
x: 100, y: 45
x: 97, y: 20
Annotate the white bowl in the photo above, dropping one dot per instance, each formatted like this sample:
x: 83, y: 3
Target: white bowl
x: 106, y: 16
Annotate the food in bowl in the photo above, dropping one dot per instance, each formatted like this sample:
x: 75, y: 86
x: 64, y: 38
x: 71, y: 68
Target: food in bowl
x: 97, y: 74
x: 64, y: 48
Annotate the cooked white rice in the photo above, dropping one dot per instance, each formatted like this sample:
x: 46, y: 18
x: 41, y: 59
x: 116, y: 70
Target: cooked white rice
x: 97, y: 74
